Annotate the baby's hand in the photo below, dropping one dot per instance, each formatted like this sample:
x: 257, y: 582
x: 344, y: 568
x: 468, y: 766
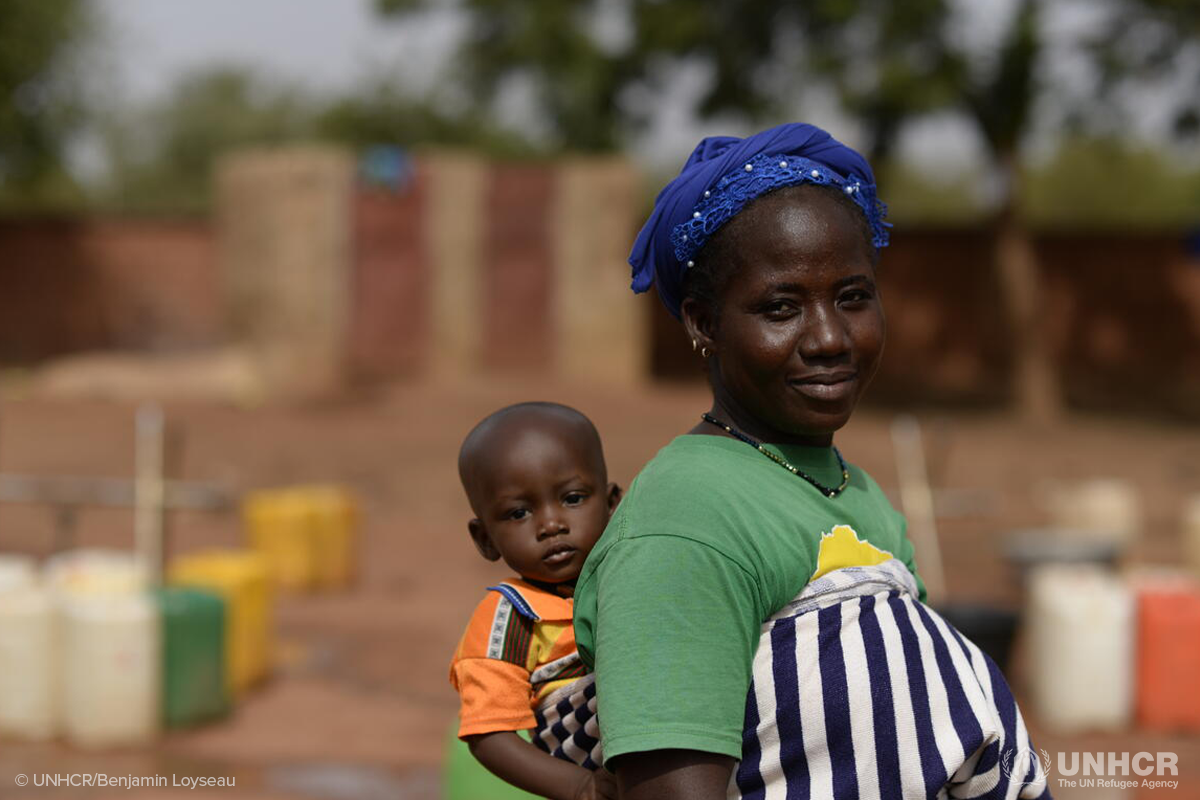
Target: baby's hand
x: 598, y: 785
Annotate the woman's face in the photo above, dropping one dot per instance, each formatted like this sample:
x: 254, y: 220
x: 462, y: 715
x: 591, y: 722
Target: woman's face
x: 798, y: 328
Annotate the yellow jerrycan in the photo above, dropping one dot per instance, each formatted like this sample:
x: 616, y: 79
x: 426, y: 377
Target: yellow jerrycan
x: 334, y: 514
x: 280, y: 526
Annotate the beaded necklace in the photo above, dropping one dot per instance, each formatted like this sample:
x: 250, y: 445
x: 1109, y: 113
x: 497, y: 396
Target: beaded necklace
x: 825, y: 490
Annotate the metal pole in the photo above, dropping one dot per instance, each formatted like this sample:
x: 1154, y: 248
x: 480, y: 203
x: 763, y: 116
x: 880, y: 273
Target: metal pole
x: 916, y: 498
x: 149, y: 489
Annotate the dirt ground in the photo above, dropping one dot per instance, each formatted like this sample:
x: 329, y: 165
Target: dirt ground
x: 359, y: 705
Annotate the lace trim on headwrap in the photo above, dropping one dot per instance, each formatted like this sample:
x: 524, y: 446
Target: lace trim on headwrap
x: 761, y: 174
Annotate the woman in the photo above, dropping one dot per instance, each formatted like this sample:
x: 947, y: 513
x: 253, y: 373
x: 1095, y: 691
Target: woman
x: 752, y: 611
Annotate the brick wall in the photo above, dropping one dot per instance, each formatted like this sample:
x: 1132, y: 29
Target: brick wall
x: 389, y: 327
x: 1122, y: 310
x: 1125, y: 320
x: 68, y: 286
x: 518, y: 280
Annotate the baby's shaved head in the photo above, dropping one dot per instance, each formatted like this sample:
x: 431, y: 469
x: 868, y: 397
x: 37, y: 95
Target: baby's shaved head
x: 481, y: 450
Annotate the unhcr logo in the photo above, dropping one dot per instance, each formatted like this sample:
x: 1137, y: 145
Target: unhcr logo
x: 1097, y: 770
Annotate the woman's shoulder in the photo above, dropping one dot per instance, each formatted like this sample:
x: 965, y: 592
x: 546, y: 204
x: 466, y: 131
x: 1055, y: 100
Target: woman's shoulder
x: 692, y: 455
x: 691, y: 469
x: 692, y: 489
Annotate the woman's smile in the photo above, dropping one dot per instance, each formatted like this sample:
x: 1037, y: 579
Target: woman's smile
x: 832, y: 387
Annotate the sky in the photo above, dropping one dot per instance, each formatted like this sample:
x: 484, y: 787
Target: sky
x: 322, y: 44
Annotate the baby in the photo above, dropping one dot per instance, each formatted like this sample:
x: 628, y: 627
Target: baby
x: 534, y: 474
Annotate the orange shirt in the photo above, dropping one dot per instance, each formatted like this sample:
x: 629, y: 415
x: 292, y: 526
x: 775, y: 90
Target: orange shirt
x: 518, y: 647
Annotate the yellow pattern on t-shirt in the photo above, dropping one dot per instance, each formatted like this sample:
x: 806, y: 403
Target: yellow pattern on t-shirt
x: 841, y: 547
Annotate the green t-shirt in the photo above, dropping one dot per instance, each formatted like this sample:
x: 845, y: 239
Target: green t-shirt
x: 710, y: 541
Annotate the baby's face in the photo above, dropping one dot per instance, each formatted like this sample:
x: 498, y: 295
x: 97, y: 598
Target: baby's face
x: 542, y: 501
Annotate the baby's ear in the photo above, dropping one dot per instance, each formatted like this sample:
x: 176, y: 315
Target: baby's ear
x: 614, y: 497
x: 483, y: 542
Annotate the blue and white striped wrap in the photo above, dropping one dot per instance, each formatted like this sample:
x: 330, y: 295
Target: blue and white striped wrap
x: 861, y: 691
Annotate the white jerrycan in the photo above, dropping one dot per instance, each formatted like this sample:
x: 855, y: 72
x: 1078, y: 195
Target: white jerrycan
x: 110, y: 654
x: 28, y: 653
x: 1081, y: 638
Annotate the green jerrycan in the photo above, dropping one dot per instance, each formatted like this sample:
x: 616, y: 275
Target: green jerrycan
x: 193, y: 639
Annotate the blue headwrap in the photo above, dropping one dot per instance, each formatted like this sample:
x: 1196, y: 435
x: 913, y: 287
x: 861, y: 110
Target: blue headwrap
x: 725, y: 173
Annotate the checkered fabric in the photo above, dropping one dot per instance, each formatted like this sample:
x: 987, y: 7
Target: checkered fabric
x: 567, y: 726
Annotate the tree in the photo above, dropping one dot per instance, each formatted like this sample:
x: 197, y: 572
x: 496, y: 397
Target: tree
x: 548, y: 44
x: 41, y: 80
x: 1146, y: 44
x: 1001, y: 103
x: 593, y: 89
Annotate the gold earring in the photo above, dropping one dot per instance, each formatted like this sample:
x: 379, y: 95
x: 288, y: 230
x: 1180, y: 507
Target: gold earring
x: 694, y: 343
x: 704, y: 353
